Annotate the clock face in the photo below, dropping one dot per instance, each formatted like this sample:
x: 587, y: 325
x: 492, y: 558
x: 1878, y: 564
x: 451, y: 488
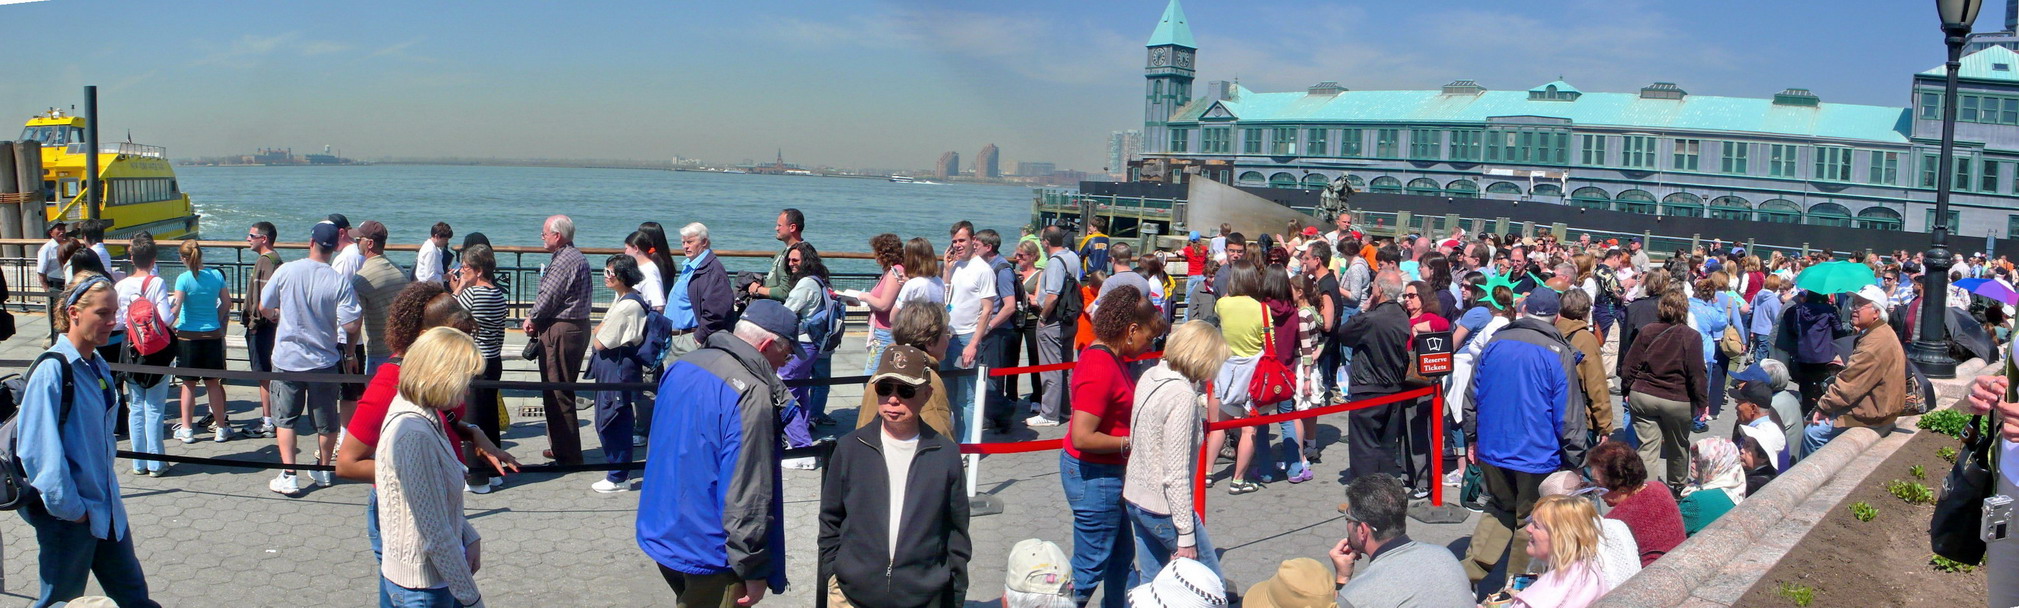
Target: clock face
x: 1184, y: 59
x: 1159, y: 56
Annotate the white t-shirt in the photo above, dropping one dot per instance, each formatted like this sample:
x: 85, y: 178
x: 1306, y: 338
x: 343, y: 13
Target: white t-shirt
x: 930, y: 289
x: 973, y: 281
x: 129, y: 292
x: 348, y: 261
x: 46, y: 261
x: 623, y: 326
x: 897, y: 454
x: 428, y: 263
x: 105, y: 258
x: 653, y: 287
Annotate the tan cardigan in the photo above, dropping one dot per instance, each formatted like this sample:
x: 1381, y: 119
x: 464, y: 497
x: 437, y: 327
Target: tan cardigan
x: 1164, y: 437
x: 1872, y: 389
x: 420, y: 500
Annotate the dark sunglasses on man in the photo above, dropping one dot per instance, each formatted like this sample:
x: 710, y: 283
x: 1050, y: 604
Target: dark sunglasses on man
x: 904, y: 391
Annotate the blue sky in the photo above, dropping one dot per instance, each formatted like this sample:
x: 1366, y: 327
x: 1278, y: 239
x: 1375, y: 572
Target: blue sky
x: 870, y: 84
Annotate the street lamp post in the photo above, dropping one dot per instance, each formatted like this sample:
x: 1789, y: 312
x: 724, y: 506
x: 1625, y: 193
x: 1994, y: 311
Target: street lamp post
x: 1931, y: 351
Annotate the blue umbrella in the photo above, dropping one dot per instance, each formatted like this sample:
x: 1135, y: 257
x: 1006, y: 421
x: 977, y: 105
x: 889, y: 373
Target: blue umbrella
x: 1989, y: 289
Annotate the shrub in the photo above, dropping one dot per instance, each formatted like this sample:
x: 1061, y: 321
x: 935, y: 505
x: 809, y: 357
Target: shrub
x: 1946, y: 453
x: 1910, y: 492
x: 1950, y: 422
x: 1949, y: 565
x: 1864, y: 511
x: 1802, y: 595
x: 1918, y: 471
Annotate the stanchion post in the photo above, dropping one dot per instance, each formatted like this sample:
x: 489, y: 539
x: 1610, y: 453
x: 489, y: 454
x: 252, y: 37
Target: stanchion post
x: 1436, y: 447
x: 1206, y: 453
x: 978, y: 504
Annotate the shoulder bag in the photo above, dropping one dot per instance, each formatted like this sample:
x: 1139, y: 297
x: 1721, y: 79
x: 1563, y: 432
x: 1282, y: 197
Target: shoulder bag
x: 1954, y: 531
x: 1273, y: 382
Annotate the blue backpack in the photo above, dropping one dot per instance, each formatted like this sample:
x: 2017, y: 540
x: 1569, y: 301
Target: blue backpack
x: 658, y: 337
x: 827, y: 323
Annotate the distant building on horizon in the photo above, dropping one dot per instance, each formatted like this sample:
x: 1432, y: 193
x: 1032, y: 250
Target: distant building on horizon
x: 985, y: 163
x: 949, y: 165
x: 1125, y: 146
x: 1036, y: 169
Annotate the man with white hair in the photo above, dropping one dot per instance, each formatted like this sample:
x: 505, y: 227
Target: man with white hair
x: 1871, y: 390
x: 560, y: 319
x: 1379, y: 339
x: 711, y: 514
x: 702, y: 301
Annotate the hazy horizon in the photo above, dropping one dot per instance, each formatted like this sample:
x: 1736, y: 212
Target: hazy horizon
x: 867, y: 84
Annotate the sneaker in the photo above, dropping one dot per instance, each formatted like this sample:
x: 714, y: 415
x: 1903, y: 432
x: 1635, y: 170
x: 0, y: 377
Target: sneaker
x: 266, y: 428
x: 285, y: 484
x: 606, y: 487
x: 185, y: 435
x: 482, y: 489
x: 224, y: 433
x: 1314, y: 455
x: 1419, y: 494
x: 1699, y: 427
x: 1039, y: 421
x: 1455, y: 478
x: 803, y: 463
x: 1301, y: 476
x: 161, y: 472
x: 1242, y: 486
x: 323, y: 478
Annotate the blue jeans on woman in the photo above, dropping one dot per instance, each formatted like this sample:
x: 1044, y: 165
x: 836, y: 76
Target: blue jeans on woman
x: 1157, y: 539
x: 879, y: 339
x: 1103, y: 553
x: 143, y: 422
x: 70, y: 554
x: 1290, y: 449
x: 395, y: 596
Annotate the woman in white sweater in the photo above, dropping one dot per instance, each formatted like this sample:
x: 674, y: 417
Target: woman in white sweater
x: 1165, y: 435
x: 431, y: 552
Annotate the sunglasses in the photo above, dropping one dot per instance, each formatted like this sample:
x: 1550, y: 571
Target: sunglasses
x: 904, y: 391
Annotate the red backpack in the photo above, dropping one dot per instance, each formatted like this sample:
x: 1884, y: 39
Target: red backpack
x: 144, y: 327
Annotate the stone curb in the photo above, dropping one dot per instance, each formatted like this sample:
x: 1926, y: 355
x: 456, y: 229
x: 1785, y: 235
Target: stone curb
x: 1671, y: 580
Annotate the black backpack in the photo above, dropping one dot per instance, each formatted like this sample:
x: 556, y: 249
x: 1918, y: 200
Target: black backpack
x: 14, y: 489
x: 1070, y: 304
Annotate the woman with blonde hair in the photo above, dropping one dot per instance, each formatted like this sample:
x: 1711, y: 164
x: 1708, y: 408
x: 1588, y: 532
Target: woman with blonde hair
x: 1165, y: 432
x: 1563, y: 532
x: 201, y: 304
x: 431, y: 551
x: 922, y: 280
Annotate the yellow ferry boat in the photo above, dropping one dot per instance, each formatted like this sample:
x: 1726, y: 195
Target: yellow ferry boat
x: 141, y: 192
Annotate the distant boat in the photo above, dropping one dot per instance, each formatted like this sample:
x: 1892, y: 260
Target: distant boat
x: 902, y: 179
x: 735, y: 171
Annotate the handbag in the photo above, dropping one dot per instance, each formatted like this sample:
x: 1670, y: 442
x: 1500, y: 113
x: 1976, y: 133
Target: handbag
x: 532, y: 351
x: 1954, y: 530
x: 1273, y: 381
x: 1733, y: 342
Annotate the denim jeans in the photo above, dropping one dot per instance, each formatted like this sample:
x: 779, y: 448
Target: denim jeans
x: 959, y: 389
x: 879, y: 339
x: 1289, y: 449
x: 823, y: 368
x: 395, y: 596
x: 70, y: 554
x: 999, y: 350
x: 143, y: 423
x: 1102, y: 551
x: 1815, y: 436
x: 372, y: 532
x: 1157, y: 538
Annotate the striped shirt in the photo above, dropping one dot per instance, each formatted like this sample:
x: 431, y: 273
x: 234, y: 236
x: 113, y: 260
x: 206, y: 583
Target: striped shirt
x: 1310, y: 334
x: 487, y: 305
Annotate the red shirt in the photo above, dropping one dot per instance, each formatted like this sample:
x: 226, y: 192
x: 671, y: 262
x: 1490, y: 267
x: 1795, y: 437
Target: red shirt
x: 371, y: 412
x: 1656, y: 521
x: 1102, y: 388
x: 1437, y: 323
x: 1195, y: 260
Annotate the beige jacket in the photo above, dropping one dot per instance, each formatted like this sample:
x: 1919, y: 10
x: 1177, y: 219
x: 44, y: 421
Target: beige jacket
x: 1872, y: 389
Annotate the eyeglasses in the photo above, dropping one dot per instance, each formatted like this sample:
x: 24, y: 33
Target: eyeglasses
x: 1410, y: 296
x: 253, y: 236
x: 904, y: 391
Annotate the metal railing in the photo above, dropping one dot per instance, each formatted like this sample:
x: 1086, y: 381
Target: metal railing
x: 122, y: 147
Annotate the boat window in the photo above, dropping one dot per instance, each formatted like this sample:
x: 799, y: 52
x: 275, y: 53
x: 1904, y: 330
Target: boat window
x: 52, y: 135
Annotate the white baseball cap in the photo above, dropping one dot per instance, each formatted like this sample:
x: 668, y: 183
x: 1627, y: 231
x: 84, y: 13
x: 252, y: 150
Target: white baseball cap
x: 1038, y: 567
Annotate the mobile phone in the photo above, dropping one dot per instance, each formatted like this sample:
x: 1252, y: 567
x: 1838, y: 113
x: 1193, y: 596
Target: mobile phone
x: 1997, y: 518
x: 1522, y: 581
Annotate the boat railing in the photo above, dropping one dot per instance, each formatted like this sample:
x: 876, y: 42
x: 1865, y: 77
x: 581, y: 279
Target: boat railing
x: 123, y: 147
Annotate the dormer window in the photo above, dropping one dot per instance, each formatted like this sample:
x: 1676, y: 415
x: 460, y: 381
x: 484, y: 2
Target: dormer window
x: 2001, y: 67
x: 1555, y: 91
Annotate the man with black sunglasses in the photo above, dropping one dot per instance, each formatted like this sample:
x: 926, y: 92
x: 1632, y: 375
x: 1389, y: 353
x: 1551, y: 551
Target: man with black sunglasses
x: 259, y: 331
x: 894, y: 488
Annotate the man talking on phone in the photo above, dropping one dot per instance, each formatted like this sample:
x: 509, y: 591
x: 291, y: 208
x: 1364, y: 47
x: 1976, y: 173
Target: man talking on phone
x: 1398, y: 572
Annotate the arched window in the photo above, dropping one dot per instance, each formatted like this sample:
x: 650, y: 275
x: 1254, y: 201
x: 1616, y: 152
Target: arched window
x: 1635, y: 201
x: 1253, y: 178
x: 1547, y: 190
x: 1423, y: 186
x: 1359, y: 185
x: 1314, y: 181
x: 1780, y: 211
x: 1387, y: 185
x: 1590, y: 198
x: 1682, y: 204
x: 1880, y: 218
x: 1731, y: 208
x: 1463, y: 188
x: 1829, y: 214
x: 1282, y: 180
x: 1503, y: 188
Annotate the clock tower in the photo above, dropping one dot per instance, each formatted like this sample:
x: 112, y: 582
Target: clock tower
x: 1168, y: 71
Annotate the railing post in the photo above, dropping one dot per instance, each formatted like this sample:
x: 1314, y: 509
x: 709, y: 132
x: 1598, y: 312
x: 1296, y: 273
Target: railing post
x: 978, y: 504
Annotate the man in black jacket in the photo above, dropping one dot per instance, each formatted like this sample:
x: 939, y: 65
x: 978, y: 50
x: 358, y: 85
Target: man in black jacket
x: 893, y: 496
x: 1379, y: 338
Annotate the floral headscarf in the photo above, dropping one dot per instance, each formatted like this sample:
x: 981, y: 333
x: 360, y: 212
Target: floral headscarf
x: 1714, y: 464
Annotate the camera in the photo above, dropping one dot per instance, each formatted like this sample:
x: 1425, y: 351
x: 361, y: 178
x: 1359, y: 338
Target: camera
x: 1997, y: 518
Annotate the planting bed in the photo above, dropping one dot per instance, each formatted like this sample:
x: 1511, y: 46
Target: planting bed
x: 1882, y: 562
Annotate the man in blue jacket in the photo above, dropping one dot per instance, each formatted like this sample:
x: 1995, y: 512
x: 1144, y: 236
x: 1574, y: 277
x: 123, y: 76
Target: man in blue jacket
x: 1525, y: 420
x: 711, y: 512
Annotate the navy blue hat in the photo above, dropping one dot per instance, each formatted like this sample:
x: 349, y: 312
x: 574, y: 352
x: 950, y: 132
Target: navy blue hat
x: 1752, y: 373
x: 324, y: 234
x: 777, y: 319
x: 1542, y: 303
x: 338, y: 219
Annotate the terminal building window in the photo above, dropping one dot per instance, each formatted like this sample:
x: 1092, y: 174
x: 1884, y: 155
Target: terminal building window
x: 1829, y: 214
x: 1388, y: 143
x: 1885, y: 168
x: 1283, y: 141
x: 1463, y: 188
x: 1879, y: 218
x: 1314, y: 143
x: 1733, y: 160
x: 2011, y: 225
x: 1833, y: 163
x: 1592, y: 150
x: 1252, y: 178
x: 1213, y: 140
x: 1780, y: 211
x: 1990, y: 177
x: 1426, y: 144
x: 1350, y: 141
x: 1180, y: 138
x: 1503, y: 188
x: 1931, y: 106
x: 1731, y: 208
x: 1929, y: 165
x: 1639, y: 152
x: 1528, y: 146
x: 1682, y: 204
x: 1636, y: 201
x: 1251, y: 141
x: 1687, y: 153
x: 1465, y: 144
x: 1955, y: 218
x: 1387, y: 185
x: 1962, y: 181
x: 1590, y: 198
x: 1781, y: 160
x: 1423, y: 186
x: 1282, y: 180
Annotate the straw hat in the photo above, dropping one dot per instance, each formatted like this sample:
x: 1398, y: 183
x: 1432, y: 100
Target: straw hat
x: 1299, y: 583
x: 1183, y: 583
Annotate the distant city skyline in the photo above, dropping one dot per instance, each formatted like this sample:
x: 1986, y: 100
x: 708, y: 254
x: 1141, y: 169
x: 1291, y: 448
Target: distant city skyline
x: 869, y: 84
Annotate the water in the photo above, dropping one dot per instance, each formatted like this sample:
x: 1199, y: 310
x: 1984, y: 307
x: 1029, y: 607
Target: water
x: 507, y: 204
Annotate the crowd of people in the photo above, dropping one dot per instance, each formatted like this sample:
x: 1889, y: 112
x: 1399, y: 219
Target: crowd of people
x: 1585, y: 378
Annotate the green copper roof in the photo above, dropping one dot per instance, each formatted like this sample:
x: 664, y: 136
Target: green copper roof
x: 1628, y: 110
x: 1561, y: 87
x: 1173, y: 28
x: 1992, y: 63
